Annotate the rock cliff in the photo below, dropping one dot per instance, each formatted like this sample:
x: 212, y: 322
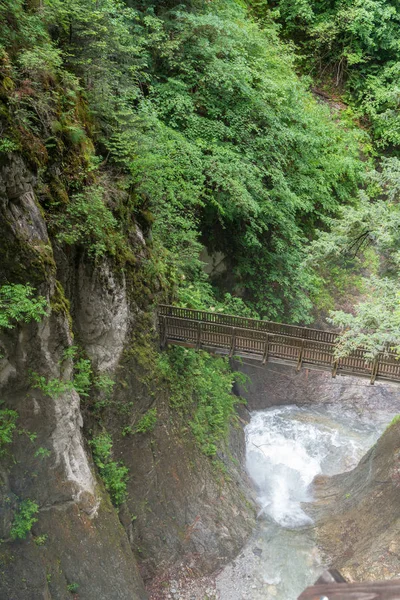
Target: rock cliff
x: 180, y: 509
x: 357, y: 514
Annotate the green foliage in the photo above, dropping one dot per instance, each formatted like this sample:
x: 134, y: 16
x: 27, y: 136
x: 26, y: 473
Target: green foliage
x: 7, y: 146
x: 201, y: 296
x: 236, y: 148
x: 54, y: 388
x: 88, y: 221
x: 8, y: 425
x: 147, y: 422
x: 113, y: 474
x: 104, y: 384
x: 81, y: 381
x: 356, y: 43
x: 201, y: 110
x: 73, y: 587
x: 394, y: 421
x: 201, y: 387
x: 375, y: 325
x: 372, y: 225
x: 42, y: 453
x: 82, y: 376
x: 18, y: 304
x: 40, y: 540
x: 24, y: 519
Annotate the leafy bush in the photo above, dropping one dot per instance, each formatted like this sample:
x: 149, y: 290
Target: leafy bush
x: 24, y: 519
x: 7, y: 146
x: 54, y: 388
x: 82, y: 376
x: 42, y: 453
x: 81, y: 382
x: 89, y: 222
x: 40, y: 540
x: 8, y: 425
x: 372, y: 225
x: 355, y: 44
x: 201, y: 387
x: 147, y: 422
x: 18, y: 304
x: 113, y: 474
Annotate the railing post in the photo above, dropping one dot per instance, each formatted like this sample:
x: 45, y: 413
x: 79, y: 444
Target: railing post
x: 163, y: 331
x: 334, y: 368
x: 300, y: 360
x: 266, y: 350
x: 198, y: 340
x: 233, y: 342
x: 375, y: 368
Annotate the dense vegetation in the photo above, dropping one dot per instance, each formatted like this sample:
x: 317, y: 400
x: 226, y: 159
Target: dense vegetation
x: 369, y: 229
x: 197, y: 114
x: 352, y: 46
x: 352, y: 50
x: 190, y: 120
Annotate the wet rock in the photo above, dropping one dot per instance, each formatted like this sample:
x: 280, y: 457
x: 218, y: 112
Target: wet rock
x: 358, y: 514
x: 80, y: 538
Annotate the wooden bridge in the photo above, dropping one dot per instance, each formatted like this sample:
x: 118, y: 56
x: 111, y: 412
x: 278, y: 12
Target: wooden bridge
x: 270, y: 342
x: 332, y: 586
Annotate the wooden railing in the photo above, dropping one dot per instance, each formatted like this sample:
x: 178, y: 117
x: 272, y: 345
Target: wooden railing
x: 333, y: 586
x: 268, y: 341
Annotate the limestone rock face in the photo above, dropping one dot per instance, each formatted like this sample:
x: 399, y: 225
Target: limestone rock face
x: 48, y: 463
x: 181, y: 509
x: 275, y: 384
x: 101, y: 315
x: 358, y: 514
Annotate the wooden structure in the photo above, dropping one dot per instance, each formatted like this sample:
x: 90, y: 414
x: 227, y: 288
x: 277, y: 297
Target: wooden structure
x: 332, y: 586
x: 267, y: 341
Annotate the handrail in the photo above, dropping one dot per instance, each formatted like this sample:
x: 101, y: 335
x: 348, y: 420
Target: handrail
x: 268, y: 341
x: 247, y: 323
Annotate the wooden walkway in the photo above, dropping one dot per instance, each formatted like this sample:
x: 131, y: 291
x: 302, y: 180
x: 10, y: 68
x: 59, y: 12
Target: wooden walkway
x: 332, y: 586
x: 270, y: 342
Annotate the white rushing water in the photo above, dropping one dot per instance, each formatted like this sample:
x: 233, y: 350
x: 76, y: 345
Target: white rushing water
x: 286, y: 448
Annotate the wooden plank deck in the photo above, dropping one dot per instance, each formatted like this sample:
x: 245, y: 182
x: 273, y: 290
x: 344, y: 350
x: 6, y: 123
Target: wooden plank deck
x: 385, y: 590
x: 270, y: 342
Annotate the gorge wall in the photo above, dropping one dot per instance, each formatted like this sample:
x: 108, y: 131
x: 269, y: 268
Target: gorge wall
x: 357, y: 514
x: 181, y: 507
x: 275, y: 384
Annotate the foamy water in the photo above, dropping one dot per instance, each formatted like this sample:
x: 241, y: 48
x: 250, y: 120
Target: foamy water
x: 286, y: 448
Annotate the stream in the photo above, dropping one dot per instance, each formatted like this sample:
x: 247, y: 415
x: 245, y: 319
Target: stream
x: 287, y: 447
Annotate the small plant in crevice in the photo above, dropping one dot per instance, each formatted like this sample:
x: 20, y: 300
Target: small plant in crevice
x: 18, y: 304
x: 8, y: 425
x: 83, y: 373
x: 42, y: 453
x: 54, y: 388
x: 7, y: 146
x: 113, y: 474
x: 40, y: 540
x: 395, y: 420
x: 73, y: 587
x: 104, y: 385
x: 24, y: 519
x: 148, y: 421
x: 83, y: 379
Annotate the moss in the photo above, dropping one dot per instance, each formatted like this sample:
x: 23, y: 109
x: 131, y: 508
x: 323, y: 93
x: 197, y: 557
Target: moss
x: 60, y: 304
x: 21, y: 261
x: 394, y: 421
